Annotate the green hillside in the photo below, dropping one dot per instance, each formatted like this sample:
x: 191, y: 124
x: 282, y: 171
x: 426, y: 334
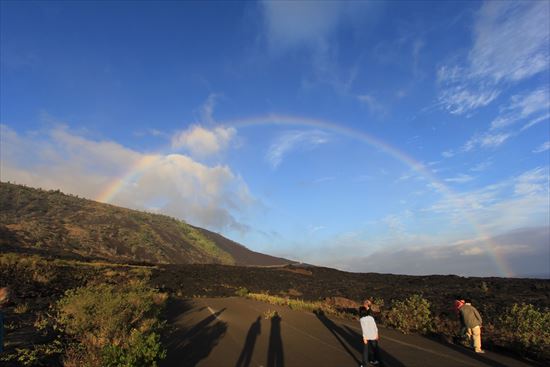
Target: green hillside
x: 50, y: 222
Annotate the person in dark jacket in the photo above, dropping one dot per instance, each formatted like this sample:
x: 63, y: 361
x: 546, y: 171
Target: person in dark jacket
x: 471, y: 321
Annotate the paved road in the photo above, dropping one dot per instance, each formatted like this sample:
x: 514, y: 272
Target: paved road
x: 233, y: 332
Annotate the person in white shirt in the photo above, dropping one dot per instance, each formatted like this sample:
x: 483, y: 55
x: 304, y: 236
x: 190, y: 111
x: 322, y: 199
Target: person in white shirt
x: 370, y: 336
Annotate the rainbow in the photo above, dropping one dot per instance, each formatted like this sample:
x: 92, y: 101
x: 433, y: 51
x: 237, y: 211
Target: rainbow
x: 140, y: 165
x: 131, y: 175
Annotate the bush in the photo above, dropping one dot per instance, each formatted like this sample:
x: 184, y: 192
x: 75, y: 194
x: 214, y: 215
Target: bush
x: 113, y: 324
x: 527, y: 327
x: 412, y: 314
x: 242, y: 292
x: 141, y: 350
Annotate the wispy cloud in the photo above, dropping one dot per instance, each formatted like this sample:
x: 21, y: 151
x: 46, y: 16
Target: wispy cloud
x: 448, y: 153
x: 510, y: 44
x: 542, y: 148
x: 294, y: 140
x: 535, y: 121
x: 372, y: 103
x: 482, y: 166
x: 485, y: 140
x: 511, y: 40
x: 462, y: 178
x: 523, y: 106
x: 311, y: 28
x: 297, y: 23
x: 209, y: 196
x: 460, y: 99
x: 206, y: 111
x: 519, y: 201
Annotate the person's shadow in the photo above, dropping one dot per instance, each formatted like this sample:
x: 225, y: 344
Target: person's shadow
x: 344, y: 337
x: 350, y: 339
x: 248, y: 349
x: 275, y: 355
x: 188, y: 346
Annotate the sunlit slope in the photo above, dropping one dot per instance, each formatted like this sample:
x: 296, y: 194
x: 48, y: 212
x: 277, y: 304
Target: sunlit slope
x: 64, y: 225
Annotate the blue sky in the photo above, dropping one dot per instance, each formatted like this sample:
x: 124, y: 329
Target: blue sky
x: 403, y: 137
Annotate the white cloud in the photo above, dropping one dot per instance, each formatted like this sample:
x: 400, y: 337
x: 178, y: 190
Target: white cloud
x: 309, y: 28
x: 523, y: 252
x: 511, y: 40
x: 371, y: 102
x: 523, y: 106
x: 295, y: 23
x: 542, y: 148
x: 532, y: 182
x: 485, y: 140
x: 207, y: 109
x: 462, y: 178
x: 204, y: 139
x: 482, y: 166
x: 519, y: 201
x: 394, y: 223
x: 448, y: 153
x: 201, y: 142
x: 209, y: 196
x: 520, y: 107
x: 293, y: 140
x: 460, y: 99
x: 535, y: 121
x: 510, y: 44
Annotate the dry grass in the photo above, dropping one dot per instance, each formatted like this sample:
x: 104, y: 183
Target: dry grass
x: 295, y: 304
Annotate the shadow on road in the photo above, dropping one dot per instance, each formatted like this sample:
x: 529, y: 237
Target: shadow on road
x: 346, y: 338
x: 248, y: 349
x: 275, y: 355
x: 386, y: 359
x: 483, y: 358
x: 188, y: 346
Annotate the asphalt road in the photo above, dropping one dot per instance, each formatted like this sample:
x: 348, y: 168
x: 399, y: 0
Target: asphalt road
x: 233, y: 332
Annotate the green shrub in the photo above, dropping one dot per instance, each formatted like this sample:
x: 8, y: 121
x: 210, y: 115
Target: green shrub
x: 141, y: 350
x: 527, y: 326
x: 242, y: 292
x: 115, y: 322
x: 412, y: 314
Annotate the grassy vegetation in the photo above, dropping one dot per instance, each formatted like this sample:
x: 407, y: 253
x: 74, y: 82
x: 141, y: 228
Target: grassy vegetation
x: 50, y: 222
x: 193, y: 235
x: 112, y: 325
x: 74, y: 313
x: 295, y: 304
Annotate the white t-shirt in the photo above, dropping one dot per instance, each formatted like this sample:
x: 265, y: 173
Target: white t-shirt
x: 368, y: 326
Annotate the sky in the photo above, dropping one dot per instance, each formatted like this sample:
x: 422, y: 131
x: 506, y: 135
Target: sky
x: 394, y: 137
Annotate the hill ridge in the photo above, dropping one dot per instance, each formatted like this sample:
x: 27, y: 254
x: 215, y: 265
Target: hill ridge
x: 49, y: 221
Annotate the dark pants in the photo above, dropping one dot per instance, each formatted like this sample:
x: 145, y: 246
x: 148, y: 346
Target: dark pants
x: 370, y: 351
x: 1, y: 331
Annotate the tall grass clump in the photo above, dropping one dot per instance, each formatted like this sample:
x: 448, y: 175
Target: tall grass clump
x: 112, y: 325
x: 527, y: 327
x: 295, y: 304
x: 412, y: 314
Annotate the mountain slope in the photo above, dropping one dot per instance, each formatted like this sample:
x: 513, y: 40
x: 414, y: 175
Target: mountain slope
x: 35, y: 220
